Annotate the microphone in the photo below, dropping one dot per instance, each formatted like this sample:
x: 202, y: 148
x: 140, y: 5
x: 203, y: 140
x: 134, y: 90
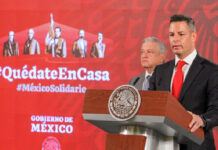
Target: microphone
x: 136, y: 80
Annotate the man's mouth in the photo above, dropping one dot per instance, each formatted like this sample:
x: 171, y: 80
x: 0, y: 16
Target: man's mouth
x: 177, y: 46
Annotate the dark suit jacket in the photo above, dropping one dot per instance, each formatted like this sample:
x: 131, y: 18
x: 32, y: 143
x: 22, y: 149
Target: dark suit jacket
x: 137, y: 81
x: 199, y: 93
x: 77, y: 51
x: 14, y: 51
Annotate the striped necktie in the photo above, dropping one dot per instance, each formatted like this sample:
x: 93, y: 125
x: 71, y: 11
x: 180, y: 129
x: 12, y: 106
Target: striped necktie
x: 146, y: 83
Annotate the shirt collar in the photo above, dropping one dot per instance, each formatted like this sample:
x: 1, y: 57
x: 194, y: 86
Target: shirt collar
x: 188, y: 59
x: 147, y: 74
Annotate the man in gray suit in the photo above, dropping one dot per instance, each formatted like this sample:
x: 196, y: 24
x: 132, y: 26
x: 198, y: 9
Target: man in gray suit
x: 153, y: 53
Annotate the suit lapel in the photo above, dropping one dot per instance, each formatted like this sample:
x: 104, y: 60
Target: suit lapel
x: 192, y: 73
x: 168, y: 76
x: 140, y: 82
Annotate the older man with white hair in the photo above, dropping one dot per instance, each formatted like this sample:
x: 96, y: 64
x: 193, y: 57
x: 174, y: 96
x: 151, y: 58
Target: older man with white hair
x: 31, y: 46
x: 11, y: 47
x: 153, y: 53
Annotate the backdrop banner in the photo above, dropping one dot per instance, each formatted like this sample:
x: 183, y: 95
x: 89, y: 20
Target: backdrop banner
x: 53, y: 51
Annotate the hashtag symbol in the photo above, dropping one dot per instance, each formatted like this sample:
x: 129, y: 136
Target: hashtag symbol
x: 19, y: 87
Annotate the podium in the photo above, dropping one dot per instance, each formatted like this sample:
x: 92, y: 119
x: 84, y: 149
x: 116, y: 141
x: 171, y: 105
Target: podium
x: 161, y: 122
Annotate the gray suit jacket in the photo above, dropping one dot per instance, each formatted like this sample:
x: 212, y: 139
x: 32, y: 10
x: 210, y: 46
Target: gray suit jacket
x: 137, y: 81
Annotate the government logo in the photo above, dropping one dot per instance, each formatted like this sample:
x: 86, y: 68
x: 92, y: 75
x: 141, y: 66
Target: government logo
x: 124, y: 102
x: 51, y: 143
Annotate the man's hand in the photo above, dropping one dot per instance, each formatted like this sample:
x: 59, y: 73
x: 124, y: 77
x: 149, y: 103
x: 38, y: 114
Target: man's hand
x: 196, y: 122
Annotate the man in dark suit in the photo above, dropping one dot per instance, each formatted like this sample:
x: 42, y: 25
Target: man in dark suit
x: 191, y: 79
x: 31, y: 46
x: 98, y: 48
x: 57, y: 45
x: 153, y: 52
x: 11, y: 47
x: 80, y: 46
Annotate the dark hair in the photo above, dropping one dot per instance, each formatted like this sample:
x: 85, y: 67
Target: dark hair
x: 180, y: 17
x: 58, y: 28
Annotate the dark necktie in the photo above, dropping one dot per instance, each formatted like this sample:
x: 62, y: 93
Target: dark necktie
x: 178, y: 80
x: 146, y: 83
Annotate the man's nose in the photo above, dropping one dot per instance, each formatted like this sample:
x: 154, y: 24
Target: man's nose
x: 145, y: 55
x: 176, y: 38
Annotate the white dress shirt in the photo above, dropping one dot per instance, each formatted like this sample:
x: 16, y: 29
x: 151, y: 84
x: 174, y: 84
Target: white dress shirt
x: 145, y: 81
x: 189, y: 59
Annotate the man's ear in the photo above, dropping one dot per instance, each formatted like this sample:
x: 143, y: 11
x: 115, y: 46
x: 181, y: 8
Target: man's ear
x: 194, y: 36
x: 163, y: 57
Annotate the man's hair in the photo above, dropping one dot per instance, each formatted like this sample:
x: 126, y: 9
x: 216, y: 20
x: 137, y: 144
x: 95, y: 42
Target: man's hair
x: 161, y: 45
x: 11, y: 32
x: 58, y: 28
x: 180, y: 17
x: 81, y: 30
x: 31, y: 30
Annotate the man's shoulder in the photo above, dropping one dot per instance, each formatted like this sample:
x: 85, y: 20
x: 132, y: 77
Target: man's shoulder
x: 6, y: 42
x: 35, y: 40
x: 15, y: 42
x: 137, y: 77
x: 75, y: 42
x: 208, y: 63
x: 140, y: 75
x: 95, y: 43
x: 62, y: 39
x: 165, y: 65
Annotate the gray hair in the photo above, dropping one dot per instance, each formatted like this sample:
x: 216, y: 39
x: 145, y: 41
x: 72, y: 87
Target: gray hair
x: 161, y: 45
x: 11, y: 32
